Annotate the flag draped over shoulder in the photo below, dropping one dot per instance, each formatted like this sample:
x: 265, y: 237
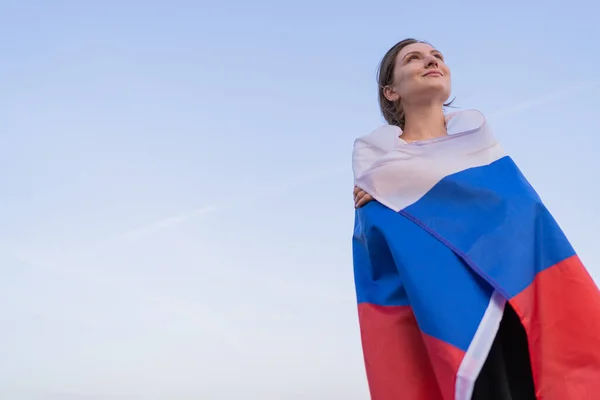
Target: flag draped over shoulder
x: 455, y: 232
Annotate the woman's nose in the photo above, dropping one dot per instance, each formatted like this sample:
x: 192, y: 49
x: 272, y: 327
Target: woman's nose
x: 431, y: 62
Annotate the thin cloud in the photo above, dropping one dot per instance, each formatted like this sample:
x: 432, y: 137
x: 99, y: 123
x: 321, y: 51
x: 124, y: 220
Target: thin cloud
x: 543, y: 100
x: 266, y: 193
x: 169, y: 222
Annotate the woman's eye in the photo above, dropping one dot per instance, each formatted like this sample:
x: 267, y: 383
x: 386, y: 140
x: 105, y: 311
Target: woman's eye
x: 439, y: 56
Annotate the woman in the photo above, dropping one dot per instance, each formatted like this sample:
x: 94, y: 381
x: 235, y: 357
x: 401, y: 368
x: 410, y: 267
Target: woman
x: 414, y: 81
x: 417, y: 346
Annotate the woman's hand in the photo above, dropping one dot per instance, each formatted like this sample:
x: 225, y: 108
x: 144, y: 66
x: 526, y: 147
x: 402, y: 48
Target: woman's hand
x: 361, y: 197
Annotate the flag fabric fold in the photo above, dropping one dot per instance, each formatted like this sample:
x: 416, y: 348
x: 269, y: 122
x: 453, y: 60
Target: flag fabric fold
x: 456, y: 231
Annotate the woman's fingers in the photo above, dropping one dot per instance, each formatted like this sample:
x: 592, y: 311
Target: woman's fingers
x: 361, y: 198
x: 364, y: 200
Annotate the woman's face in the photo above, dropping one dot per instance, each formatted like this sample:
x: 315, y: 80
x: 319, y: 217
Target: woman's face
x: 420, y: 75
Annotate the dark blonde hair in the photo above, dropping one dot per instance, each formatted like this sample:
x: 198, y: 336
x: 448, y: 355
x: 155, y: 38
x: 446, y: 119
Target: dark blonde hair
x: 392, y: 111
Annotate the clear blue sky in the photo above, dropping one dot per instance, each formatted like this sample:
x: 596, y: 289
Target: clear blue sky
x: 176, y: 206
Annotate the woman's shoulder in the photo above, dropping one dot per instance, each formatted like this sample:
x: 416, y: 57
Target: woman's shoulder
x: 384, y: 137
x: 369, y: 148
x: 464, y: 121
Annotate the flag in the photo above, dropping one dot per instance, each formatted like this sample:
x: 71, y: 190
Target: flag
x: 455, y: 233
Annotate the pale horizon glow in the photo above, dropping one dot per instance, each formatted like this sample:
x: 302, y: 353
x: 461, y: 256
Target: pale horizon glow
x: 177, y: 206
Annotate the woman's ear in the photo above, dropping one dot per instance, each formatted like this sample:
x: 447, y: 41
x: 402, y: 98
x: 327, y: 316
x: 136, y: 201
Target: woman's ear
x: 390, y: 94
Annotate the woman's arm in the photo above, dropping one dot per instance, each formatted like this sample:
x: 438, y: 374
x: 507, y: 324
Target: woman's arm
x: 367, y: 150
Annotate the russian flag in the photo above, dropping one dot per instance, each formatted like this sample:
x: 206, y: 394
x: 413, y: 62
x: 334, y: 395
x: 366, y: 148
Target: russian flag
x: 456, y: 231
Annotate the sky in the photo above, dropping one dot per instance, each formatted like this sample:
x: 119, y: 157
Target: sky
x: 176, y: 206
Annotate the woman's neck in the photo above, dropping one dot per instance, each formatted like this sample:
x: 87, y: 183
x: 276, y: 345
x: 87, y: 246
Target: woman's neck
x: 423, y: 123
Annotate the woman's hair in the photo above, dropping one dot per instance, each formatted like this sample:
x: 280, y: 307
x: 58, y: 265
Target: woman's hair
x: 392, y: 111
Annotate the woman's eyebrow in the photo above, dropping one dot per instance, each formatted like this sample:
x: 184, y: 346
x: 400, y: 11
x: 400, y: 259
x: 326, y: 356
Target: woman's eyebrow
x: 434, y: 51
x: 411, y: 52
